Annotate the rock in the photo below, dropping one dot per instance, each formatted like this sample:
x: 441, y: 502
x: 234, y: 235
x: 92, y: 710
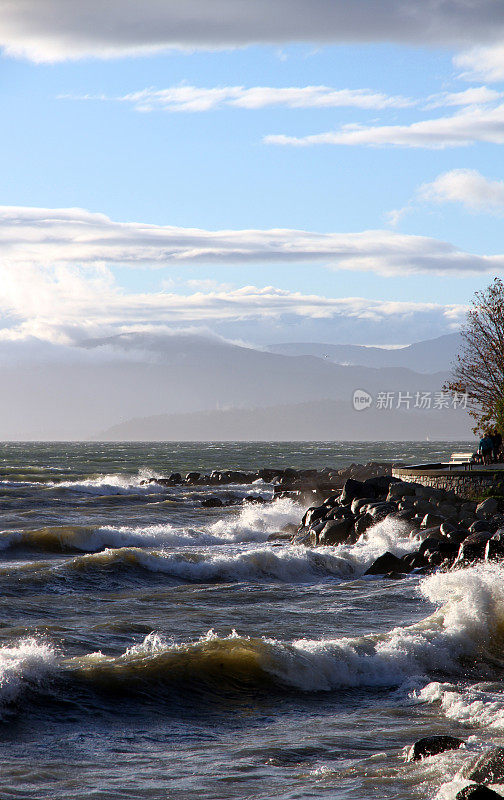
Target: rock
x: 477, y: 792
x: 400, y: 489
x: 431, y: 521
x: 432, y: 745
x: 289, y: 527
x: 358, y: 503
x: 212, y: 502
x: 281, y: 537
x: 385, y: 563
x: 380, y: 510
x: 380, y: 484
x: 487, y: 768
x: 254, y: 498
x: 413, y: 561
x: 447, y: 527
x: 448, y: 510
x: 363, y: 523
x: 313, y: 514
x: 479, y: 525
x: 495, y: 547
x: 351, y: 490
x: 335, y: 531
x: 487, y: 508
x: 474, y: 546
x: 302, y: 537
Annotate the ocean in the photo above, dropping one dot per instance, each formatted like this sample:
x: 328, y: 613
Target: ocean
x: 153, y: 648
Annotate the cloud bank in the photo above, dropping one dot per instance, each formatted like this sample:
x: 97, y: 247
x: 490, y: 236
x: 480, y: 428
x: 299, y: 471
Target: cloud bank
x: 54, y: 30
x: 73, y: 236
x: 66, y: 306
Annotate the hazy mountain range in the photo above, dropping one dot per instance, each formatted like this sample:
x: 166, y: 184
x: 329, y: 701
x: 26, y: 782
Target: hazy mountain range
x: 434, y: 355
x: 176, y: 387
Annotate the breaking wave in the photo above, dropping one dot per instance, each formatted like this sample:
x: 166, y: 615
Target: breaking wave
x: 465, y: 632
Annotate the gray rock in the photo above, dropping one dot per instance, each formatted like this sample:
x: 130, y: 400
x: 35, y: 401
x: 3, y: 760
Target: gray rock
x: 487, y: 768
x: 432, y: 745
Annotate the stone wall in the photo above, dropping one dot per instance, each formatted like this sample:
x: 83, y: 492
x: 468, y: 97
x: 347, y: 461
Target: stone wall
x: 470, y: 484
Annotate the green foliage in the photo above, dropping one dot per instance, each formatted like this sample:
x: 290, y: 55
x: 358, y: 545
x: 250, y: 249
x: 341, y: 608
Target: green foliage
x: 479, y: 370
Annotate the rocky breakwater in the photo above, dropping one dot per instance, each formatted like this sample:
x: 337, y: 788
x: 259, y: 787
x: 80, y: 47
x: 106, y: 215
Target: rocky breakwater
x: 450, y: 531
x: 304, y: 485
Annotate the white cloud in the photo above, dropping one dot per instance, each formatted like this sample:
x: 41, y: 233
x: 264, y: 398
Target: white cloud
x: 72, y: 236
x: 470, y: 125
x: 476, y: 95
x: 66, y: 306
x: 197, y: 99
x: 465, y: 186
x: 482, y: 63
x: 52, y: 30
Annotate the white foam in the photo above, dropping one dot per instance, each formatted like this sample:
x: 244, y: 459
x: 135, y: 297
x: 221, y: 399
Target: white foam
x: 480, y: 705
x: 289, y: 564
x: 111, y: 484
x: 254, y: 523
x: 388, y: 535
x: 27, y: 661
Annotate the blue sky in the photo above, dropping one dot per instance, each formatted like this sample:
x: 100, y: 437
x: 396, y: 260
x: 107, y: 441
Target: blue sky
x: 90, y: 124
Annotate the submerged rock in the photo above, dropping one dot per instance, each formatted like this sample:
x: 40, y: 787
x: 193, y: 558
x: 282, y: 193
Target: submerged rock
x: 432, y: 745
x: 386, y: 563
x: 212, y: 502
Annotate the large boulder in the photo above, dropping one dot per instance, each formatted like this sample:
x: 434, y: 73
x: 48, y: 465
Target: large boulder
x: 351, y: 490
x: 380, y: 484
x: 487, y: 768
x: 432, y: 745
x: 386, y: 563
x: 335, y: 531
x: 476, y: 791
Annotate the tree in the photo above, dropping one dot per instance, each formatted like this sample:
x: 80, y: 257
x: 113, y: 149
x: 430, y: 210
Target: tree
x: 479, y: 369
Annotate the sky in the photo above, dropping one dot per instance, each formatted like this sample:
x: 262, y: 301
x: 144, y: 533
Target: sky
x: 304, y: 170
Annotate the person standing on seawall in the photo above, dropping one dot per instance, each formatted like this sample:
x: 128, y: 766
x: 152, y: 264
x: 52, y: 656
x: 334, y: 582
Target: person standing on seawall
x: 496, y: 444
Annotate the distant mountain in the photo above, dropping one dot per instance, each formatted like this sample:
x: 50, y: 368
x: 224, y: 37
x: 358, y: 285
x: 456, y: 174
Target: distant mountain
x: 324, y: 420
x: 433, y: 355
x: 137, y: 375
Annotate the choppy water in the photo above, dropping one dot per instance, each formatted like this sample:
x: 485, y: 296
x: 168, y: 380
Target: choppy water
x: 151, y: 648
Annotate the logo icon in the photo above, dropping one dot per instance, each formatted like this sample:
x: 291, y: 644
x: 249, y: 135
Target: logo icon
x: 361, y: 400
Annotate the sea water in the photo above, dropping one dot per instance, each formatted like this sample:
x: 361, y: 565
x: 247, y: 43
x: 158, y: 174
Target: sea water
x: 154, y: 648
